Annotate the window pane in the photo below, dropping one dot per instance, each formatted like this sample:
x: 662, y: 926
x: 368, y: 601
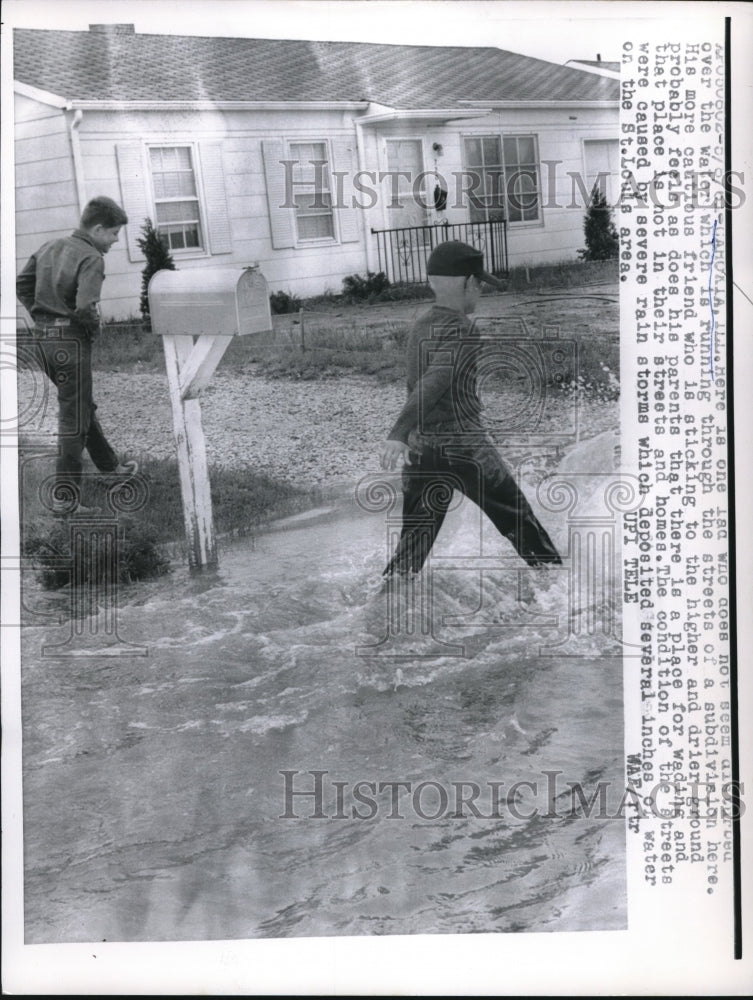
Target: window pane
x: 170, y: 185
x: 477, y: 210
x: 313, y: 207
x: 169, y: 158
x: 492, y: 152
x: 176, y: 205
x: 474, y: 183
x: 178, y: 211
x: 473, y: 152
x: 310, y: 164
x: 522, y: 194
x: 522, y: 183
x: 316, y: 203
x: 511, y: 151
x: 173, y: 185
x: 487, y: 199
x: 494, y: 182
x: 315, y: 227
x: 305, y: 151
x: 175, y: 236
x: 187, y: 183
x: 180, y: 237
x: 526, y: 153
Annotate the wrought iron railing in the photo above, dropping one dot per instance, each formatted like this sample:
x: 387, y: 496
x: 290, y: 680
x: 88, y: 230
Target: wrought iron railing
x: 403, y: 252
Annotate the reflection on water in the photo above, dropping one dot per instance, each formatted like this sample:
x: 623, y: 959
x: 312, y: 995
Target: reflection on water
x: 294, y: 757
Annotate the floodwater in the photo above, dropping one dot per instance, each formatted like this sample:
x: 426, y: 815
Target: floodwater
x: 279, y: 749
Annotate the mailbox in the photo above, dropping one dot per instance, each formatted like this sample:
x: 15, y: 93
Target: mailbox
x: 218, y: 301
x: 197, y: 312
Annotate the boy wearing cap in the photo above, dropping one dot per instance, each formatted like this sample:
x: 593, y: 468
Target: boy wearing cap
x: 60, y: 287
x: 439, y: 433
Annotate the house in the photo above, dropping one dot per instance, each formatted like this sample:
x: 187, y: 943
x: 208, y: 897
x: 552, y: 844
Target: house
x: 314, y: 159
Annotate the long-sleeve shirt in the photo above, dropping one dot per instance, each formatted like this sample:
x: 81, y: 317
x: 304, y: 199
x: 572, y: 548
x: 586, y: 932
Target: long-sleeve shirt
x: 442, y: 355
x: 63, y: 279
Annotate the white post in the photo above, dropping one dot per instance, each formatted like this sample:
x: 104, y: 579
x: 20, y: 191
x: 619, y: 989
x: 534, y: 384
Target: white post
x: 197, y: 315
x: 192, y: 453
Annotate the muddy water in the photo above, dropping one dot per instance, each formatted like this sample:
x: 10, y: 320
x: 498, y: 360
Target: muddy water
x: 156, y: 807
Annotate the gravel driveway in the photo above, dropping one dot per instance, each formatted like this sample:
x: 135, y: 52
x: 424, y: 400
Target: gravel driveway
x: 304, y: 432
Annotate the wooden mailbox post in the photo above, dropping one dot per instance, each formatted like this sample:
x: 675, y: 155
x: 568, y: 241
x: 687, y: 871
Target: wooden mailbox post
x: 197, y: 313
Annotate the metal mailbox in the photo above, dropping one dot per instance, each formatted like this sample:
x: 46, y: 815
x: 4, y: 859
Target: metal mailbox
x: 218, y: 301
x: 197, y: 313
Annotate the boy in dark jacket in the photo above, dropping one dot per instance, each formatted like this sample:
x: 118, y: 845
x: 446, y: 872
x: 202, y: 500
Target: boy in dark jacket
x: 60, y: 288
x: 439, y: 434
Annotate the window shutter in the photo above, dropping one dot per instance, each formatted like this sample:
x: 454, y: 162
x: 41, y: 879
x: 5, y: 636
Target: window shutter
x: 342, y: 154
x: 132, y: 174
x: 280, y: 219
x: 215, y: 199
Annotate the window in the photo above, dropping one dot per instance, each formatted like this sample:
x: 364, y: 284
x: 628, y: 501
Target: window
x: 484, y: 158
x: 506, y: 182
x: 311, y: 191
x: 176, y: 200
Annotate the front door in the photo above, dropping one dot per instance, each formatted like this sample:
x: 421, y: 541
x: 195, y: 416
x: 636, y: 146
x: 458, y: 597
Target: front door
x: 404, y: 188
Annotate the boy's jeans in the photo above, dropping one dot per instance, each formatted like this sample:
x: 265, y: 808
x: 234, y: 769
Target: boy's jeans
x: 64, y: 355
x: 474, y: 467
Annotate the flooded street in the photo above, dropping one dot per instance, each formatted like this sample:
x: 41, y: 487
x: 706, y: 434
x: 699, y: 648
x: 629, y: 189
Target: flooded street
x: 298, y: 753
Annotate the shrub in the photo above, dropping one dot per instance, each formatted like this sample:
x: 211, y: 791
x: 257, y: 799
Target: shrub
x: 158, y: 258
x: 284, y: 302
x: 358, y: 289
x: 602, y: 241
x: 242, y: 499
x: 49, y: 548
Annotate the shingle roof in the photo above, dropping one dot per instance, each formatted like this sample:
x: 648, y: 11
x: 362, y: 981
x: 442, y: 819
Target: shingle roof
x: 88, y: 65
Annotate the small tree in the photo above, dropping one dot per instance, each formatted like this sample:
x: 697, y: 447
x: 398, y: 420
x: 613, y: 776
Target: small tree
x: 602, y: 241
x: 158, y: 258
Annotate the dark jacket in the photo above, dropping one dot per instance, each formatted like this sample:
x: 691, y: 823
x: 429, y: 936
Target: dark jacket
x: 63, y: 279
x: 442, y: 356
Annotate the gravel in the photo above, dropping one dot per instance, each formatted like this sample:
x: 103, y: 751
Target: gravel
x: 308, y: 433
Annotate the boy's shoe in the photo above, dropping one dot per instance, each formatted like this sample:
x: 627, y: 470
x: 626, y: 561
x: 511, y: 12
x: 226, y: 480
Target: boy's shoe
x: 129, y: 468
x: 123, y: 470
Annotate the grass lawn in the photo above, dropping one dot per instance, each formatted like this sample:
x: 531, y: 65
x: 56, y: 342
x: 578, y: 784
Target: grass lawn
x: 329, y: 339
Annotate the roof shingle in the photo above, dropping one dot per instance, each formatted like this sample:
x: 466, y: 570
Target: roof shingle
x: 79, y: 65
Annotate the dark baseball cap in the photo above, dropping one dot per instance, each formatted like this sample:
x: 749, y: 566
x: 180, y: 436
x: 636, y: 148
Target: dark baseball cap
x: 459, y: 260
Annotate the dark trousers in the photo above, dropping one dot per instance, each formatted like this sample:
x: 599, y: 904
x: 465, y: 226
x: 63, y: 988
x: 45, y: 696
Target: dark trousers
x: 65, y: 357
x: 476, y: 469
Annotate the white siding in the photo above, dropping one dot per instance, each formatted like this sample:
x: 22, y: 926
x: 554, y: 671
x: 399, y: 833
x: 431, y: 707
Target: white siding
x: 301, y: 270
x: 46, y: 197
x: 44, y: 162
